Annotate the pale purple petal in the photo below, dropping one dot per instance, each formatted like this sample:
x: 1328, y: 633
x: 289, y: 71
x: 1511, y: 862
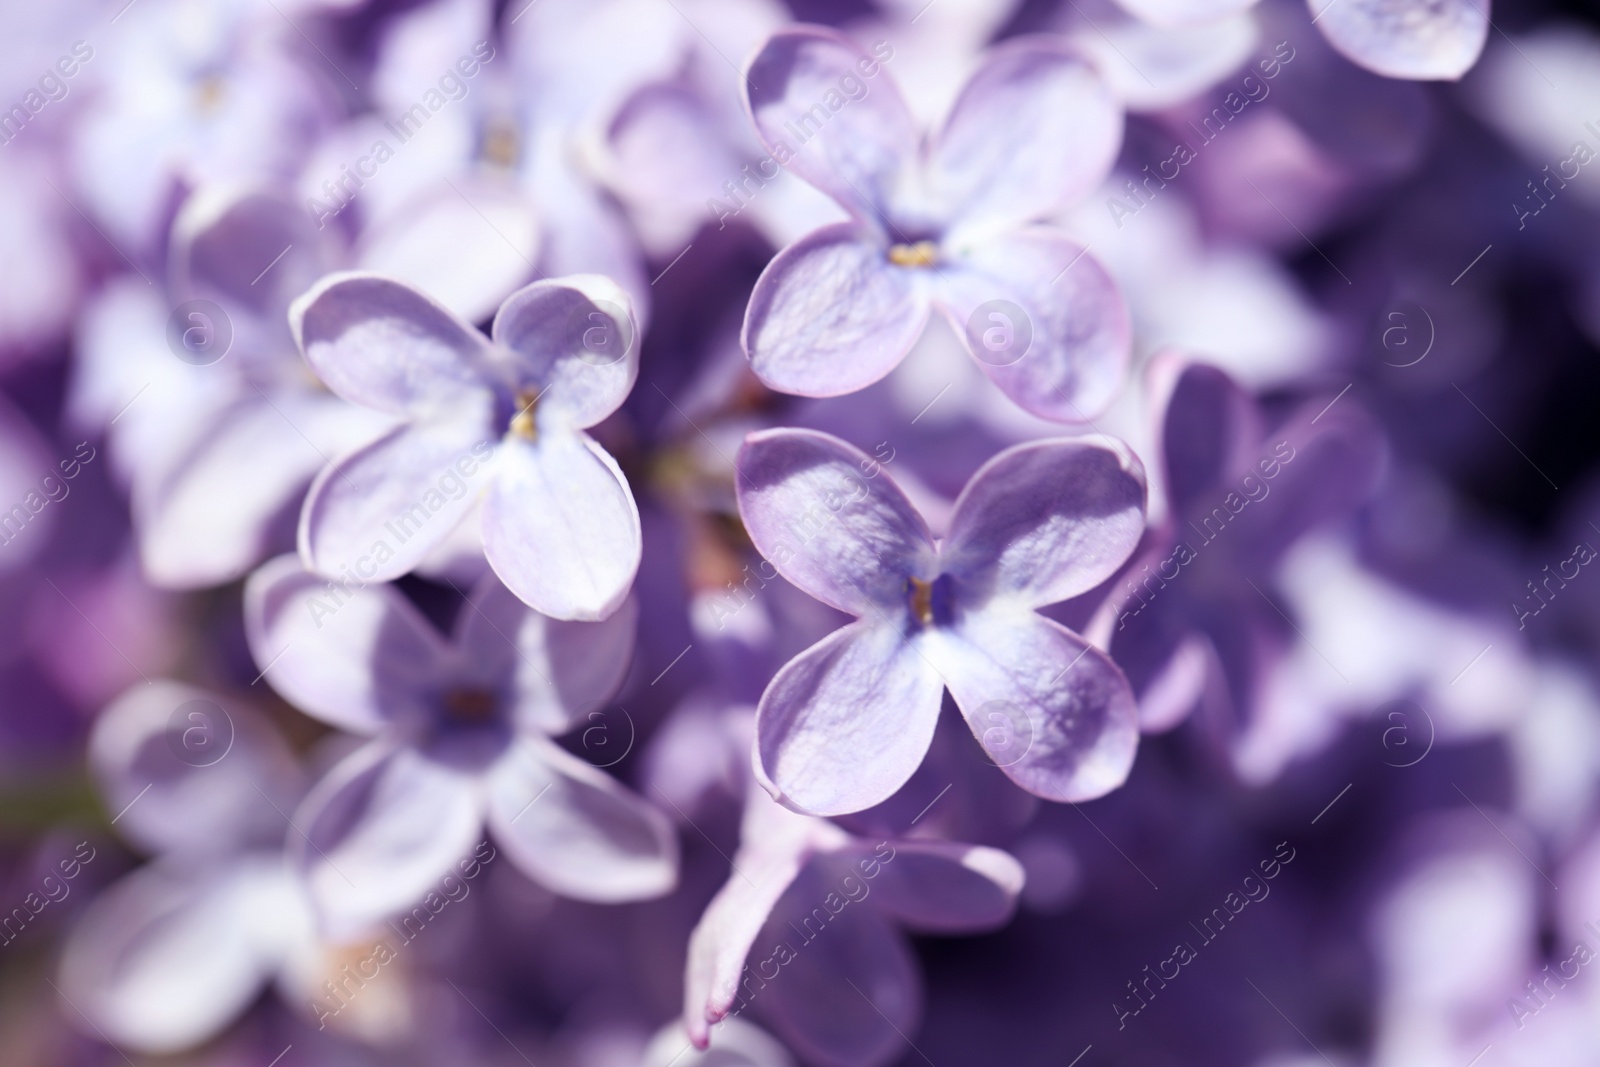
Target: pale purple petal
x: 1185, y: 12
x: 853, y: 147
x: 355, y: 657
x: 774, y: 846
x: 560, y: 670
x: 1053, y: 713
x: 169, y: 956
x: 1043, y: 319
x: 1045, y: 521
x: 1420, y: 39
x: 830, y: 314
x: 560, y: 526
x: 846, y: 723
x: 576, y: 344
x: 381, y: 344
x: 377, y: 513
x: 253, y: 250
x: 380, y: 831
x: 491, y: 229
x: 228, y: 502
x: 812, y: 510
x: 938, y: 886
x: 184, y: 770
x: 576, y: 830
x: 1034, y: 129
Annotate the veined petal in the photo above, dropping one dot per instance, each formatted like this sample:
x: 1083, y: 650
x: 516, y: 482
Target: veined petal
x: 576, y: 830
x: 809, y: 506
x: 830, y: 314
x: 802, y: 89
x: 379, y: 831
x: 1034, y: 129
x: 1426, y: 40
x: 560, y: 526
x: 1045, y: 521
x: 846, y: 723
x: 381, y: 344
x: 356, y: 657
x: 1054, y: 713
x: 1043, y: 319
x: 576, y: 342
x: 379, y: 511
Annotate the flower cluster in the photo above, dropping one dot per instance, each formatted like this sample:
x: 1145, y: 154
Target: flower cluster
x: 748, y: 533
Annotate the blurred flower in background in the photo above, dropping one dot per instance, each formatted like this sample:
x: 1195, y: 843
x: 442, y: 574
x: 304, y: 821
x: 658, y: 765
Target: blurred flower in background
x: 501, y: 563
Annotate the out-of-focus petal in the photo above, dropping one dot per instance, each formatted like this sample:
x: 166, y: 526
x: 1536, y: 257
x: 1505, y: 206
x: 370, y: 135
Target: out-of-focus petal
x: 492, y: 232
x: 1034, y: 129
x: 848, y: 990
x: 1052, y: 712
x: 1210, y: 428
x: 1184, y: 12
x: 936, y: 886
x: 575, y: 830
x: 1043, y: 319
x: 854, y: 148
x: 560, y: 670
x: 1424, y: 40
x: 380, y: 831
x: 560, y: 526
x: 830, y: 314
x: 845, y: 723
x: 233, y: 497
x: 577, y: 344
x: 378, y: 512
x: 381, y: 344
x: 811, y: 510
x: 168, y: 957
x: 1045, y: 521
x: 356, y: 657
x: 183, y: 773
x: 774, y: 845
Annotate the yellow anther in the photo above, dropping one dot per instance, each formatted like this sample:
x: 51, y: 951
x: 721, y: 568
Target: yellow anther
x: 921, y: 254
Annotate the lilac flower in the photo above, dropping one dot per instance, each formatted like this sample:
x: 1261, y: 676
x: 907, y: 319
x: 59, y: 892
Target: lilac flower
x: 942, y: 223
x: 501, y: 422
x: 1191, y: 621
x: 1415, y: 39
x: 459, y: 738
x: 845, y: 723
x: 820, y: 905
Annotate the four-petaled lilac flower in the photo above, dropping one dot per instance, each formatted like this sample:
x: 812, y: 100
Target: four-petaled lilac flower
x: 503, y: 422
x: 941, y: 223
x: 843, y: 725
x: 459, y: 737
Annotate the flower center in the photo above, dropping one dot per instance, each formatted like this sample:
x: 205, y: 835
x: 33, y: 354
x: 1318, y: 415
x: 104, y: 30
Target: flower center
x: 501, y: 146
x: 522, y: 423
x: 921, y: 599
x: 921, y: 254
x: 208, y: 94
x: 470, y: 706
